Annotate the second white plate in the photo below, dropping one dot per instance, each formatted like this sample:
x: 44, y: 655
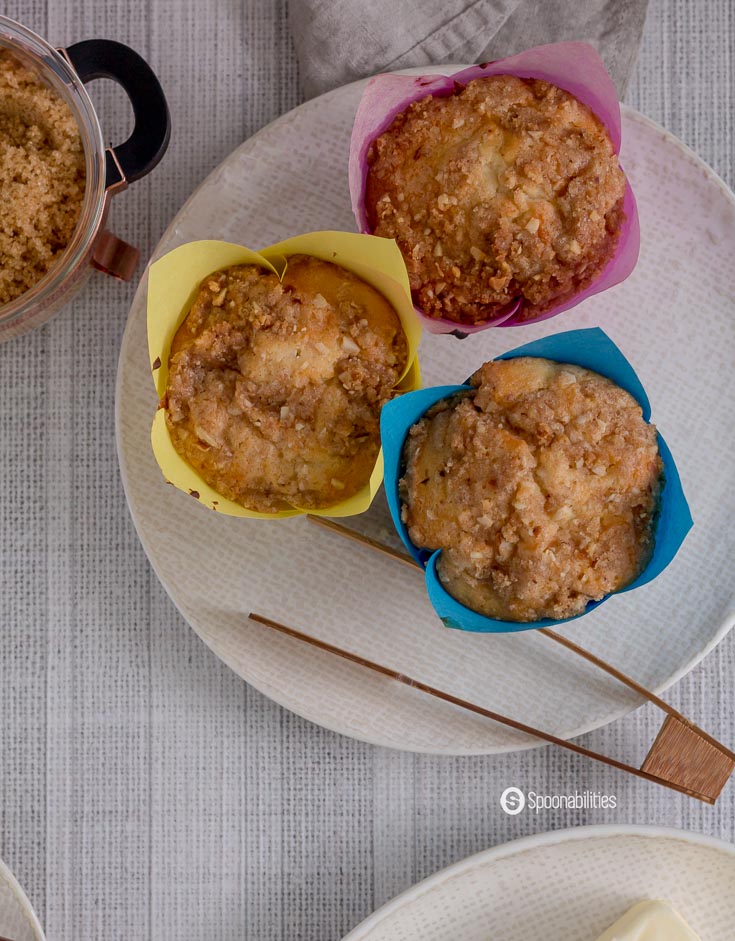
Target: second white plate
x: 570, y: 885
x: 673, y: 319
x: 18, y: 921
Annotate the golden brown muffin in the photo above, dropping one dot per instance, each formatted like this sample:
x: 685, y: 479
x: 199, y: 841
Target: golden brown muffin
x: 507, y: 188
x: 42, y: 177
x: 541, y: 488
x: 275, y: 388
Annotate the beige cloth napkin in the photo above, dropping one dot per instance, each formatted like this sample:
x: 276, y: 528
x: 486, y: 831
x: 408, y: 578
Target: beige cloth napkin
x: 339, y: 41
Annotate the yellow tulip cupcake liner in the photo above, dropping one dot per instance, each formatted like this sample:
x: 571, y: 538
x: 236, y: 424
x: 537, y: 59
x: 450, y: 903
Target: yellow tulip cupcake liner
x: 173, y: 283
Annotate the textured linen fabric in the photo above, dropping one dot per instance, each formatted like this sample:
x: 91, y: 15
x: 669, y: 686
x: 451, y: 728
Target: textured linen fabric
x: 339, y: 41
x: 146, y: 792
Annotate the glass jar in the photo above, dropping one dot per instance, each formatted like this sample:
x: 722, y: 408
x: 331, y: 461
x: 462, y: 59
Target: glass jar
x: 108, y: 170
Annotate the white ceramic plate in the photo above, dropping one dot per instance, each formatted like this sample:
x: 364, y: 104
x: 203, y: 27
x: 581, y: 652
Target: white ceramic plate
x: 566, y: 886
x: 18, y: 921
x: 673, y: 318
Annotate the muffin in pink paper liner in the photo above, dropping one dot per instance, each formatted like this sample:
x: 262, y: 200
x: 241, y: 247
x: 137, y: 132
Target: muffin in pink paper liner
x: 551, y: 247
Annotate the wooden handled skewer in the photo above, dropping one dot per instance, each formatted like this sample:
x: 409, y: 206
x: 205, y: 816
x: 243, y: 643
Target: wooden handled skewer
x: 683, y: 757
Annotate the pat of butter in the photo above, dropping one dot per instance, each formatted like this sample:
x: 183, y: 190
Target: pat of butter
x: 650, y: 921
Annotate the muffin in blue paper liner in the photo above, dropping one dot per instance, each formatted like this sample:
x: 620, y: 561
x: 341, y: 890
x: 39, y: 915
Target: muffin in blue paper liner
x: 591, y: 349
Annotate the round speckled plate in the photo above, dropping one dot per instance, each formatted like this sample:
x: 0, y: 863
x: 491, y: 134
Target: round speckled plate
x: 18, y: 921
x: 569, y: 885
x: 674, y: 320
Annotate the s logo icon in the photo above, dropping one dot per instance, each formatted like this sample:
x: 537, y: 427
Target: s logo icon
x: 512, y: 800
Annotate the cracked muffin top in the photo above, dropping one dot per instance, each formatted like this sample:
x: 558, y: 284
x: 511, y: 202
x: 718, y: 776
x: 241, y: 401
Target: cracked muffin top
x: 509, y: 188
x: 275, y: 386
x: 540, y: 485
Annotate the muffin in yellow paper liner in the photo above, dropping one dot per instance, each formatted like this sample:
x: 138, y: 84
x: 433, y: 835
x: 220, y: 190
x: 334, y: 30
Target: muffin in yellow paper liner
x: 173, y: 283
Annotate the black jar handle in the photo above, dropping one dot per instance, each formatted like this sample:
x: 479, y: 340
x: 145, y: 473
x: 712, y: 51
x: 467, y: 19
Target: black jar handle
x: 139, y: 154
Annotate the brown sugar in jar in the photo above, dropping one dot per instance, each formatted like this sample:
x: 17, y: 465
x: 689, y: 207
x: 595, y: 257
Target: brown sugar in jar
x: 42, y: 177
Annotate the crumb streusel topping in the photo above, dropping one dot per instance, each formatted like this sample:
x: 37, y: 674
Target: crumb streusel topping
x: 507, y: 188
x: 275, y: 388
x: 541, y: 488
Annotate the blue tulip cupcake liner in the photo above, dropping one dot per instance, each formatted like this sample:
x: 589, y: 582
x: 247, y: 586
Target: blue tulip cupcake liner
x: 591, y: 349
